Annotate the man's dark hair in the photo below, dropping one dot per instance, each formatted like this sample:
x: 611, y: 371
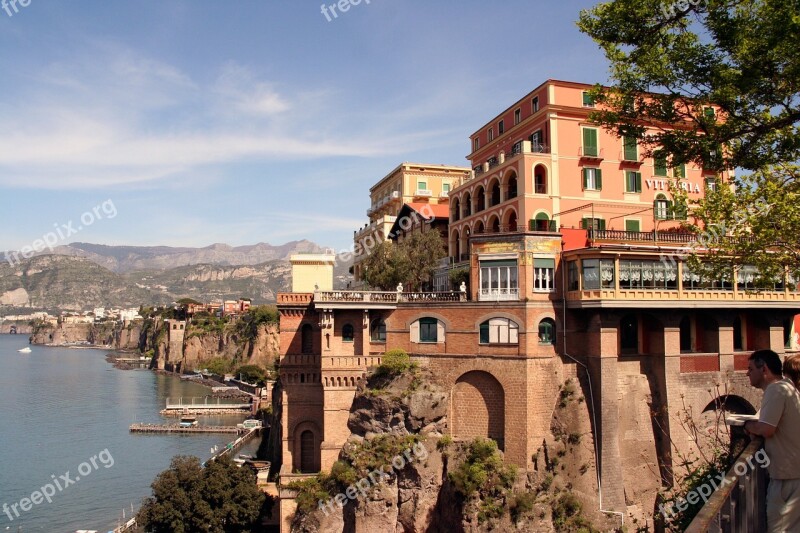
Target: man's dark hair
x: 769, y: 358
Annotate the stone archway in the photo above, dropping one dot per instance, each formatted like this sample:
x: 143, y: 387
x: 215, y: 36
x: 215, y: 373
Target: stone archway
x: 478, y: 401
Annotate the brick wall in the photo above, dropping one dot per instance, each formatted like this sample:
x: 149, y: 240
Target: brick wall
x: 478, y: 407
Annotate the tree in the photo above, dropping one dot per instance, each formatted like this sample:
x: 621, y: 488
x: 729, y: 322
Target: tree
x: 220, y: 498
x: 411, y: 262
x: 252, y: 374
x: 671, y: 61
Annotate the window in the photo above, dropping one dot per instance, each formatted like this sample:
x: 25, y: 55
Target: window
x: 590, y: 142
x: 679, y: 171
x: 597, y: 224
x: 377, y: 331
x: 660, y: 166
x: 540, y: 180
x: 633, y: 225
x: 542, y: 223
x: 476, y: 144
x: 445, y: 188
x: 746, y: 277
x: 647, y: 275
x: 710, y: 114
x: 680, y: 211
x: 711, y: 183
x: 598, y: 273
x: 491, y: 134
x: 499, y: 331
x: 572, y: 276
x: 428, y: 330
x: 348, y: 333
x: 535, y: 104
x: 629, y: 148
x: 633, y: 181
x: 592, y: 179
x: 662, y: 207
x: 588, y: 101
x: 421, y: 185
x: 544, y: 274
x: 536, y: 141
x: 498, y: 280
x: 547, y: 331
x: 517, y: 116
x: 501, y: 127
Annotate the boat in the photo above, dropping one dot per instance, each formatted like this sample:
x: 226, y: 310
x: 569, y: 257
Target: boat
x: 26, y: 349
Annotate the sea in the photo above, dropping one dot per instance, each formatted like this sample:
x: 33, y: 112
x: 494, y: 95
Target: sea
x: 64, y: 422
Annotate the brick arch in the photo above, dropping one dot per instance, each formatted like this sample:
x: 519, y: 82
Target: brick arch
x: 478, y: 406
x: 311, y: 462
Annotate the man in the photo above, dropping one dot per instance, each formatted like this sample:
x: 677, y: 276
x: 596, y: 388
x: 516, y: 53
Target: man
x: 779, y: 424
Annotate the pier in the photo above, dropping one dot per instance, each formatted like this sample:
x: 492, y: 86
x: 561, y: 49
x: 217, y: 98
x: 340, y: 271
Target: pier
x: 173, y: 428
x: 234, y: 446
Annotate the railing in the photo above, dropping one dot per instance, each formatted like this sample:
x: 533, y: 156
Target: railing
x: 649, y: 236
x: 387, y: 296
x: 498, y: 295
x: 294, y: 298
x: 423, y: 192
x: 739, y: 505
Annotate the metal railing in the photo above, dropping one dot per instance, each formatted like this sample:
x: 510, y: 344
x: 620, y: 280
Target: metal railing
x: 387, y: 296
x: 739, y: 505
x: 498, y: 295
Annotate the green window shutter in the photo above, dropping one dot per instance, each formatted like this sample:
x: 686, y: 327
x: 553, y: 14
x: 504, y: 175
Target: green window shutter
x: 638, y: 181
x: 599, y: 179
x: 669, y: 210
x: 601, y: 224
x: 553, y: 225
x: 544, y: 262
x: 630, y: 148
x: 484, y: 335
x: 590, y: 142
x: 585, y: 178
x: 660, y: 166
x: 532, y: 225
x: 680, y: 171
x: 584, y: 225
x: 632, y: 225
x: 710, y: 113
x: 588, y: 101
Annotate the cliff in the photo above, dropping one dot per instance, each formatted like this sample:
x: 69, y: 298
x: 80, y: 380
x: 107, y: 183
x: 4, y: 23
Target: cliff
x: 442, y: 485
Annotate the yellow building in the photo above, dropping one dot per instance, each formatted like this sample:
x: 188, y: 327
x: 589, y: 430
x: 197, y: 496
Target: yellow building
x: 409, y: 182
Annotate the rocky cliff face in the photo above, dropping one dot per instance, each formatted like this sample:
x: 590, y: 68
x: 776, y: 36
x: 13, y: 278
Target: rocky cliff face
x: 101, y: 335
x: 427, y: 493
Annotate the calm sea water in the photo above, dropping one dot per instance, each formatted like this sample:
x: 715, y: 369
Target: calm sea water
x: 59, y: 408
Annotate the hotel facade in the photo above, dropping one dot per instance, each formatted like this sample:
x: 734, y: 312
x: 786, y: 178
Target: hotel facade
x: 576, y: 268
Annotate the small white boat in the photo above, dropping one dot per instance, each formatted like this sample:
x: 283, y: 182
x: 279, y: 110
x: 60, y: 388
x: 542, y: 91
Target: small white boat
x: 25, y: 350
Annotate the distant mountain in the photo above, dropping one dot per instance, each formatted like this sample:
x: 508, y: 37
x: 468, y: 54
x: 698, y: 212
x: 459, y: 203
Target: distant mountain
x: 130, y: 258
x: 72, y: 282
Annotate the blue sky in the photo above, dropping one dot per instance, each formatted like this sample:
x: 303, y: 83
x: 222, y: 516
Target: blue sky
x: 244, y: 122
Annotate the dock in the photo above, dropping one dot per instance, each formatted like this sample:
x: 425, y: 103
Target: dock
x: 174, y: 428
x: 206, y: 405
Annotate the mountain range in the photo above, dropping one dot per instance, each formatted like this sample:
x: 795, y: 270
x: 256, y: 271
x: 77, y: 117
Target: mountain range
x: 81, y: 276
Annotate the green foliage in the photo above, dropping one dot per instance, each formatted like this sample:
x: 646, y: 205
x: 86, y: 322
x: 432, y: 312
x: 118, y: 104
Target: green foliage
x: 482, y: 474
x: 457, y: 277
x: 205, y: 323
x: 393, y: 363
x: 567, y: 514
x: 378, y: 453
x: 218, y: 365
x: 220, y: 498
x: 248, y: 324
x: 741, y: 56
x: 444, y: 443
x: 574, y: 438
x: 756, y: 225
x: 411, y: 262
x: 251, y: 374
x: 547, y: 482
x: 521, y: 505
x: 312, y: 490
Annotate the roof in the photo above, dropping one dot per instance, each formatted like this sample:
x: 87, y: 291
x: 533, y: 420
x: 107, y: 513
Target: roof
x: 426, y: 212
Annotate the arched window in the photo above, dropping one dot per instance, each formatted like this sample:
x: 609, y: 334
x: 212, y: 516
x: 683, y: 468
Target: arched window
x: 428, y: 330
x: 629, y: 333
x: 547, y: 331
x: 495, y: 199
x: 499, y: 331
x: 540, y: 180
x: 348, y: 333
x: 494, y: 225
x: 467, y: 205
x: 479, y: 228
x: 307, y: 452
x: 662, y: 207
x: 456, y: 210
x: 307, y: 337
x: 480, y: 200
x: 377, y: 331
x: 541, y: 222
x: 511, y: 187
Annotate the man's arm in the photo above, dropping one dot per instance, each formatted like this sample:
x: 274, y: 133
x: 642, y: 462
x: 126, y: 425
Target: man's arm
x: 762, y: 429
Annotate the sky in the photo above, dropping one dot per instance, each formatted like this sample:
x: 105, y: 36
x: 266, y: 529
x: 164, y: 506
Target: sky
x: 188, y: 123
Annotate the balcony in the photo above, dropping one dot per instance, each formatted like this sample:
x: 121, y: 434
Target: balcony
x: 395, y: 195
x: 739, y: 504
x: 591, y: 153
x: 381, y: 299
x: 498, y: 295
x: 646, y: 236
x: 423, y: 193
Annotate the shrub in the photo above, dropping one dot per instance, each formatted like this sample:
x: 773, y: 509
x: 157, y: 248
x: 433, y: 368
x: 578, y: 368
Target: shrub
x: 521, y: 504
x: 394, y: 363
x: 567, y: 514
x: 444, y: 443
